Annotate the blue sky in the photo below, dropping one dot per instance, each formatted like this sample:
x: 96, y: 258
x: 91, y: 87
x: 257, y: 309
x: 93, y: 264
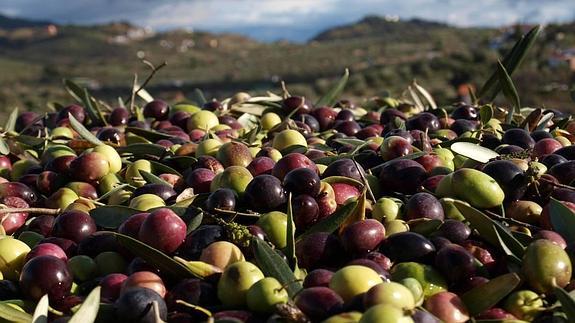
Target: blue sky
x: 296, y: 20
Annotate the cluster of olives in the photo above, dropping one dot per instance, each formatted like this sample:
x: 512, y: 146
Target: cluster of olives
x: 403, y: 249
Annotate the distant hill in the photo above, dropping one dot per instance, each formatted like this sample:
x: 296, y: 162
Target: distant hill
x: 384, y: 56
x: 13, y: 22
x: 389, y: 28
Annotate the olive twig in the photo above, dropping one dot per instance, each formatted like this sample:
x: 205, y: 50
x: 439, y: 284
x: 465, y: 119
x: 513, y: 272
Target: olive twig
x: 365, y: 183
x: 512, y: 221
x: 31, y: 210
x: 155, y: 70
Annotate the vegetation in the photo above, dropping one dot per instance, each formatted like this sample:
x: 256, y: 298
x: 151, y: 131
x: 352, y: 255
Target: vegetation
x: 383, y: 57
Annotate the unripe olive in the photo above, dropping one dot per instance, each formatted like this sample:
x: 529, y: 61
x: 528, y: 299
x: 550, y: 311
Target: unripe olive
x: 133, y: 176
x: 12, y: 255
x: 203, y: 119
x: 111, y: 156
x: 146, y: 202
x: 235, y: 282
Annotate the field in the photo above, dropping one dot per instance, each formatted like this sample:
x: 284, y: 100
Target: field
x: 384, y: 57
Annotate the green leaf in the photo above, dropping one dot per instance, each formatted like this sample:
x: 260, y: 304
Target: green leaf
x: 350, y: 142
x: 273, y: 265
x: 74, y: 90
x: 199, y: 269
x: 11, y: 122
x: 88, y: 311
x: 11, y: 314
x: 4, y: 148
x: 509, y: 91
x: 485, y: 296
x: 290, y: 247
x: 82, y: 131
x: 152, y: 179
x: 342, y: 179
x: 30, y: 140
x: 332, y: 95
x: 92, y: 109
x: 41, y: 311
x: 142, y: 149
x: 511, y: 61
x: 426, y: 95
x: 148, y: 134
x: 161, y: 168
x: 567, y: 303
x: 113, y: 191
x: 154, y: 257
x: 490, y: 229
x: 562, y: 219
x: 486, y: 113
x: 198, y: 97
x: 180, y: 162
x: 332, y: 222
x: 111, y: 216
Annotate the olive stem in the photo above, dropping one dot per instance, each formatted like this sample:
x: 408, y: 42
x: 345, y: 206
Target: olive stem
x: 31, y: 210
x: 557, y: 184
x: 155, y: 69
x: 512, y: 221
x: 365, y: 183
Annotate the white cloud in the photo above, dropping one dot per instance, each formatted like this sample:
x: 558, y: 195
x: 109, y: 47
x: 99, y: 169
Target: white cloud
x: 294, y: 19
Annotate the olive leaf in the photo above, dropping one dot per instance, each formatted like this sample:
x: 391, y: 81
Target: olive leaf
x: 511, y: 61
x: 198, y: 97
x: 142, y: 149
x: 332, y: 95
x: 332, y: 222
x: 73, y: 89
x: 29, y: 140
x: 509, y: 91
x: 567, y: 303
x: 474, y: 151
x: 200, y: 269
x: 148, y: 134
x: 180, y: 162
x: 11, y: 314
x: 92, y: 109
x: 113, y: 191
x: 358, y: 213
x: 342, y: 179
x: 485, y: 114
x: 11, y: 122
x: 4, y: 148
x: 152, y: 179
x: 88, y: 311
x: 273, y: 265
x: 489, y: 229
x: 41, y: 311
x: 548, y: 116
x: 487, y: 295
x: 154, y: 257
x: 161, y: 168
x: 562, y: 219
x: 425, y: 94
x: 82, y: 131
x: 290, y: 234
x: 111, y: 216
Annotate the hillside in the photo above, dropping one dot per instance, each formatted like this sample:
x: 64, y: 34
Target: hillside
x: 383, y: 55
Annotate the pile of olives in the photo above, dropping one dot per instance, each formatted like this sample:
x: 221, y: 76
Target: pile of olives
x: 273, y: 209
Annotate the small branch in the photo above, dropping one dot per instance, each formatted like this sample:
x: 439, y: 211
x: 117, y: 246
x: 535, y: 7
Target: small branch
x: 557, y: 184
x: 365, y: 183
x: 512, y: 221
x: 31, y: 210
x: 155, y: 69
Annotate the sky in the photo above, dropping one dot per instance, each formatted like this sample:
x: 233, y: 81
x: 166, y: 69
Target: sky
x: 296, y: 20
